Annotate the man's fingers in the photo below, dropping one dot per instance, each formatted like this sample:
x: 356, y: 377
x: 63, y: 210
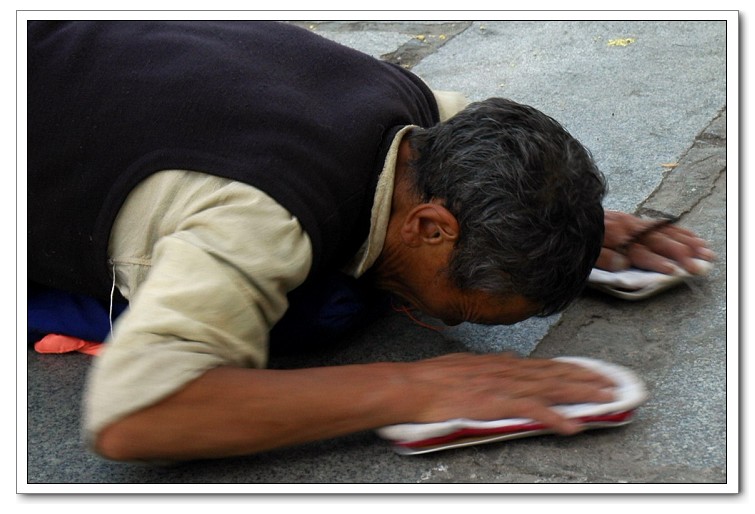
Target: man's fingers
x: 558, y: 389
x: 547, y: 374
x: 555, y: 369
x: 695, y: 246
x: 526, y: 408
x: 644, y: 258
x: 664, y: 250
x: 585, y: 393
x: 497, y: 386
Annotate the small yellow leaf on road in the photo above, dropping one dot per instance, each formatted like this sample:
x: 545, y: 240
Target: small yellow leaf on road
x: 621, y: 41
x: 670, y: 165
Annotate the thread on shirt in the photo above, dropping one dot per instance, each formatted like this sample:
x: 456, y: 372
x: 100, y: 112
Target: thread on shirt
x: 112, y: 297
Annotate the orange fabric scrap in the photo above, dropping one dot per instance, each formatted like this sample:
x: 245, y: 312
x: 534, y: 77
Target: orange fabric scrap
x: 56, y: 343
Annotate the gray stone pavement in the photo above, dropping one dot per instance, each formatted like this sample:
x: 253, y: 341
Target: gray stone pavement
x: 649, y: 99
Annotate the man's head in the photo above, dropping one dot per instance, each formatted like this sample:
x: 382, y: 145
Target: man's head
x: 527, y: 198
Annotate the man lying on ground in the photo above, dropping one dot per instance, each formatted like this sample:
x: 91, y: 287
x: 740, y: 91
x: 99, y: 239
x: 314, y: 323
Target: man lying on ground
x: 207, y: 171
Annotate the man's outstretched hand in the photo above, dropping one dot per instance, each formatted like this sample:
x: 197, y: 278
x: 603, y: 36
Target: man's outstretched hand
x: 663, y: 250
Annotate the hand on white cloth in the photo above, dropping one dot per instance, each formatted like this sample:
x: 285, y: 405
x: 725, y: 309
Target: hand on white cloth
x: 418, y: 438
x: 664, y: 250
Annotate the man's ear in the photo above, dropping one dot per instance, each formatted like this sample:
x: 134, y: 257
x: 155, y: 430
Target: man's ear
x: 429, y: 223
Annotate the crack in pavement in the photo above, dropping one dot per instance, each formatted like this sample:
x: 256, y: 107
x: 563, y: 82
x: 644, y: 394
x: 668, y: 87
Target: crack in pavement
x: 694, y: 178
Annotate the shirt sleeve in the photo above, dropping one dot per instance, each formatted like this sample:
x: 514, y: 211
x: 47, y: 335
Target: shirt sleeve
x: 449, y: 103
x: 214, y: 285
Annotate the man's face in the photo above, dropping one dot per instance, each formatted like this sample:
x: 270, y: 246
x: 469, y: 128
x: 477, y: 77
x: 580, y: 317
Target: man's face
x: 441, y: 299
x: 420, y: 241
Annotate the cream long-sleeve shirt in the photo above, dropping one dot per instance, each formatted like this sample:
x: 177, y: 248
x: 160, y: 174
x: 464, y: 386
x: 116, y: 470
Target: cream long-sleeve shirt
x: 206, y: 264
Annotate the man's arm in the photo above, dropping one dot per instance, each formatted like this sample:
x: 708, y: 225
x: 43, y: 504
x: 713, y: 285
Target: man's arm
x: 206, y: 264
x: 181, y: 377
x: 234, y: 411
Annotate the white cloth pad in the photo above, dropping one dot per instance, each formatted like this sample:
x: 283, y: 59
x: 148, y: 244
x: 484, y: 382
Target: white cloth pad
x: 417, y: 438
x: 636, y: 284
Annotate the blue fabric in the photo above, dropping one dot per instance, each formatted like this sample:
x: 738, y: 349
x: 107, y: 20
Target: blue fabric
x: 325, y: 310
x: 57, y: 312
x: 319, y: 312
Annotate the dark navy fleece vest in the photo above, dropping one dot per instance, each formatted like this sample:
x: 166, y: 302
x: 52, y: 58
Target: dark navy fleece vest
x: 306, y: 120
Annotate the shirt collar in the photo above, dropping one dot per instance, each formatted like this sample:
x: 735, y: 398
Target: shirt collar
x: 381, y: 212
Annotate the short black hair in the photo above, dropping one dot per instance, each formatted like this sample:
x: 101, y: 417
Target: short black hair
x: 527, y: 195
